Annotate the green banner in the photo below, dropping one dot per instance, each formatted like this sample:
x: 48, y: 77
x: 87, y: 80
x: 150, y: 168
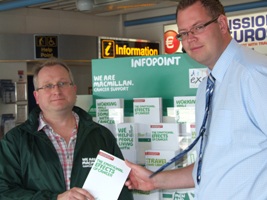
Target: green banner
x: 163, y: 76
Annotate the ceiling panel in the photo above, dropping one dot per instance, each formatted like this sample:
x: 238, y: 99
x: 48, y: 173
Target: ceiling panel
x: 101, y: 7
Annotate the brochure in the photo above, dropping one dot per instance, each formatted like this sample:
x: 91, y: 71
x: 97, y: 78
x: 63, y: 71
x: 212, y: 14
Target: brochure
x: 107, y: 177
x: 103, y: 113
x: 147, y: 110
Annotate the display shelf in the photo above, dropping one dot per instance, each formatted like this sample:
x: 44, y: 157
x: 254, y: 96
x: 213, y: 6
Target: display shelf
x: 18, y: 107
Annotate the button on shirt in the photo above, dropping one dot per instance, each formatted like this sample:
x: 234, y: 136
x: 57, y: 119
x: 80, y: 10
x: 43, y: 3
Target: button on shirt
x: 65, y: 151
x: 234, y: 163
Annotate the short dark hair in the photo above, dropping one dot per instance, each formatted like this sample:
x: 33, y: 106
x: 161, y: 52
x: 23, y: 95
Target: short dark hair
x: 49, y: 63
x: 213, y: 7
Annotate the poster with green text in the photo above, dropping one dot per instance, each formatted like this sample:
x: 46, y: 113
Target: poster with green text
x: 163, y: 76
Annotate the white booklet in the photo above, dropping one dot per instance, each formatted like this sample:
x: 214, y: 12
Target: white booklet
x: 107, y: 177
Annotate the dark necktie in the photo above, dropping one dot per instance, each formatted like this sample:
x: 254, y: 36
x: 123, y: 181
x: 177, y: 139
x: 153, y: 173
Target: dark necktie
x: 209, y: 93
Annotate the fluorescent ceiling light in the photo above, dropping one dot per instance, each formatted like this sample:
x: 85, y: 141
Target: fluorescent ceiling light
x: 84, y: 5
x: 20, y: 4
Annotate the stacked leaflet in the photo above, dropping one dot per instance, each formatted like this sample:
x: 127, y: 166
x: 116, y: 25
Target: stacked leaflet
x: 184, y: 108
x: 110, y: 112
x: 165, y: 136
x: 106, y: 111
x: 181, y: 194
x: 154, y: 160
x: 127, y: 136
x: 147, y: 110
x: 184, y: 101
x: 144, y: 141
x: 184, y: 111
x: 146, y: 195
x: 133, y: 140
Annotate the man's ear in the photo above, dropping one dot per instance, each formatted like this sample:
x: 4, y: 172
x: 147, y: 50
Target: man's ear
x: 223, y: 23
x: 36, y: 96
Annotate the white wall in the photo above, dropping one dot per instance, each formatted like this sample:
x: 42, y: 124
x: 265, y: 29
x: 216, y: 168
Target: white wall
x: 9, y: 70
x: 152, y: 31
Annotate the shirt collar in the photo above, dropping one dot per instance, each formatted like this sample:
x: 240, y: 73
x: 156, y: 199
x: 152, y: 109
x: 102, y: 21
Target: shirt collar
x: 224, y: 61
x: 43, y: 123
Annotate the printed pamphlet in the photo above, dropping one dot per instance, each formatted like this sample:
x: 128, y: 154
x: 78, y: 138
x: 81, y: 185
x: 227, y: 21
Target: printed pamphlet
x: 107, y: 177
x: 147, y: 110
x: 102, y: 111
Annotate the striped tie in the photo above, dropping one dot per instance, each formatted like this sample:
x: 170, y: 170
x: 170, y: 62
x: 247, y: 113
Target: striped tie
x: 209, y: 93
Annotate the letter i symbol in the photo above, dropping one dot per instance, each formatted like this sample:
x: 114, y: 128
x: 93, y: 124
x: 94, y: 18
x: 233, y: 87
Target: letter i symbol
x: 107, y: 53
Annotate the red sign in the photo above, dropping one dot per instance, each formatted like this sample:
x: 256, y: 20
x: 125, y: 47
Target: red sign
x: 171, y: 43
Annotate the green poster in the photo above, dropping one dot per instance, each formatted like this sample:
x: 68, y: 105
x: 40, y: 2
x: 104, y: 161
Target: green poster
x: 163, y: 76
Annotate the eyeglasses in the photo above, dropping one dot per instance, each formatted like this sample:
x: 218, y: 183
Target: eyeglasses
x: 194, y: 30
x: 50, y: 86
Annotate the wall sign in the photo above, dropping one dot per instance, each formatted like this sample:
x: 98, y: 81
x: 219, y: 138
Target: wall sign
x: 163, y: 76
x: 249, y: 30
x: 171, y: 43
x: 46, y: 46
x: 120, y: 47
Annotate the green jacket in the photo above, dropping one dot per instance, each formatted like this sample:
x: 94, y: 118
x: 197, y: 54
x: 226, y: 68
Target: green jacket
x: 30, y: 167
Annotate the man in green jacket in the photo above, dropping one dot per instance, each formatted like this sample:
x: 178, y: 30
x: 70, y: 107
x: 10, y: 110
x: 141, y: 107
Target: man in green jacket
x: 50, y: 155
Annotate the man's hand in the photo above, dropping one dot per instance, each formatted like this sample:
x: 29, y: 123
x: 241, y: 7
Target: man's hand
x: 75, y: 194
x: 139, y: 178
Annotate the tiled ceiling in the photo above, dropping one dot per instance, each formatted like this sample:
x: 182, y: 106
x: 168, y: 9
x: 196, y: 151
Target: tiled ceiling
x: 101, y: 7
